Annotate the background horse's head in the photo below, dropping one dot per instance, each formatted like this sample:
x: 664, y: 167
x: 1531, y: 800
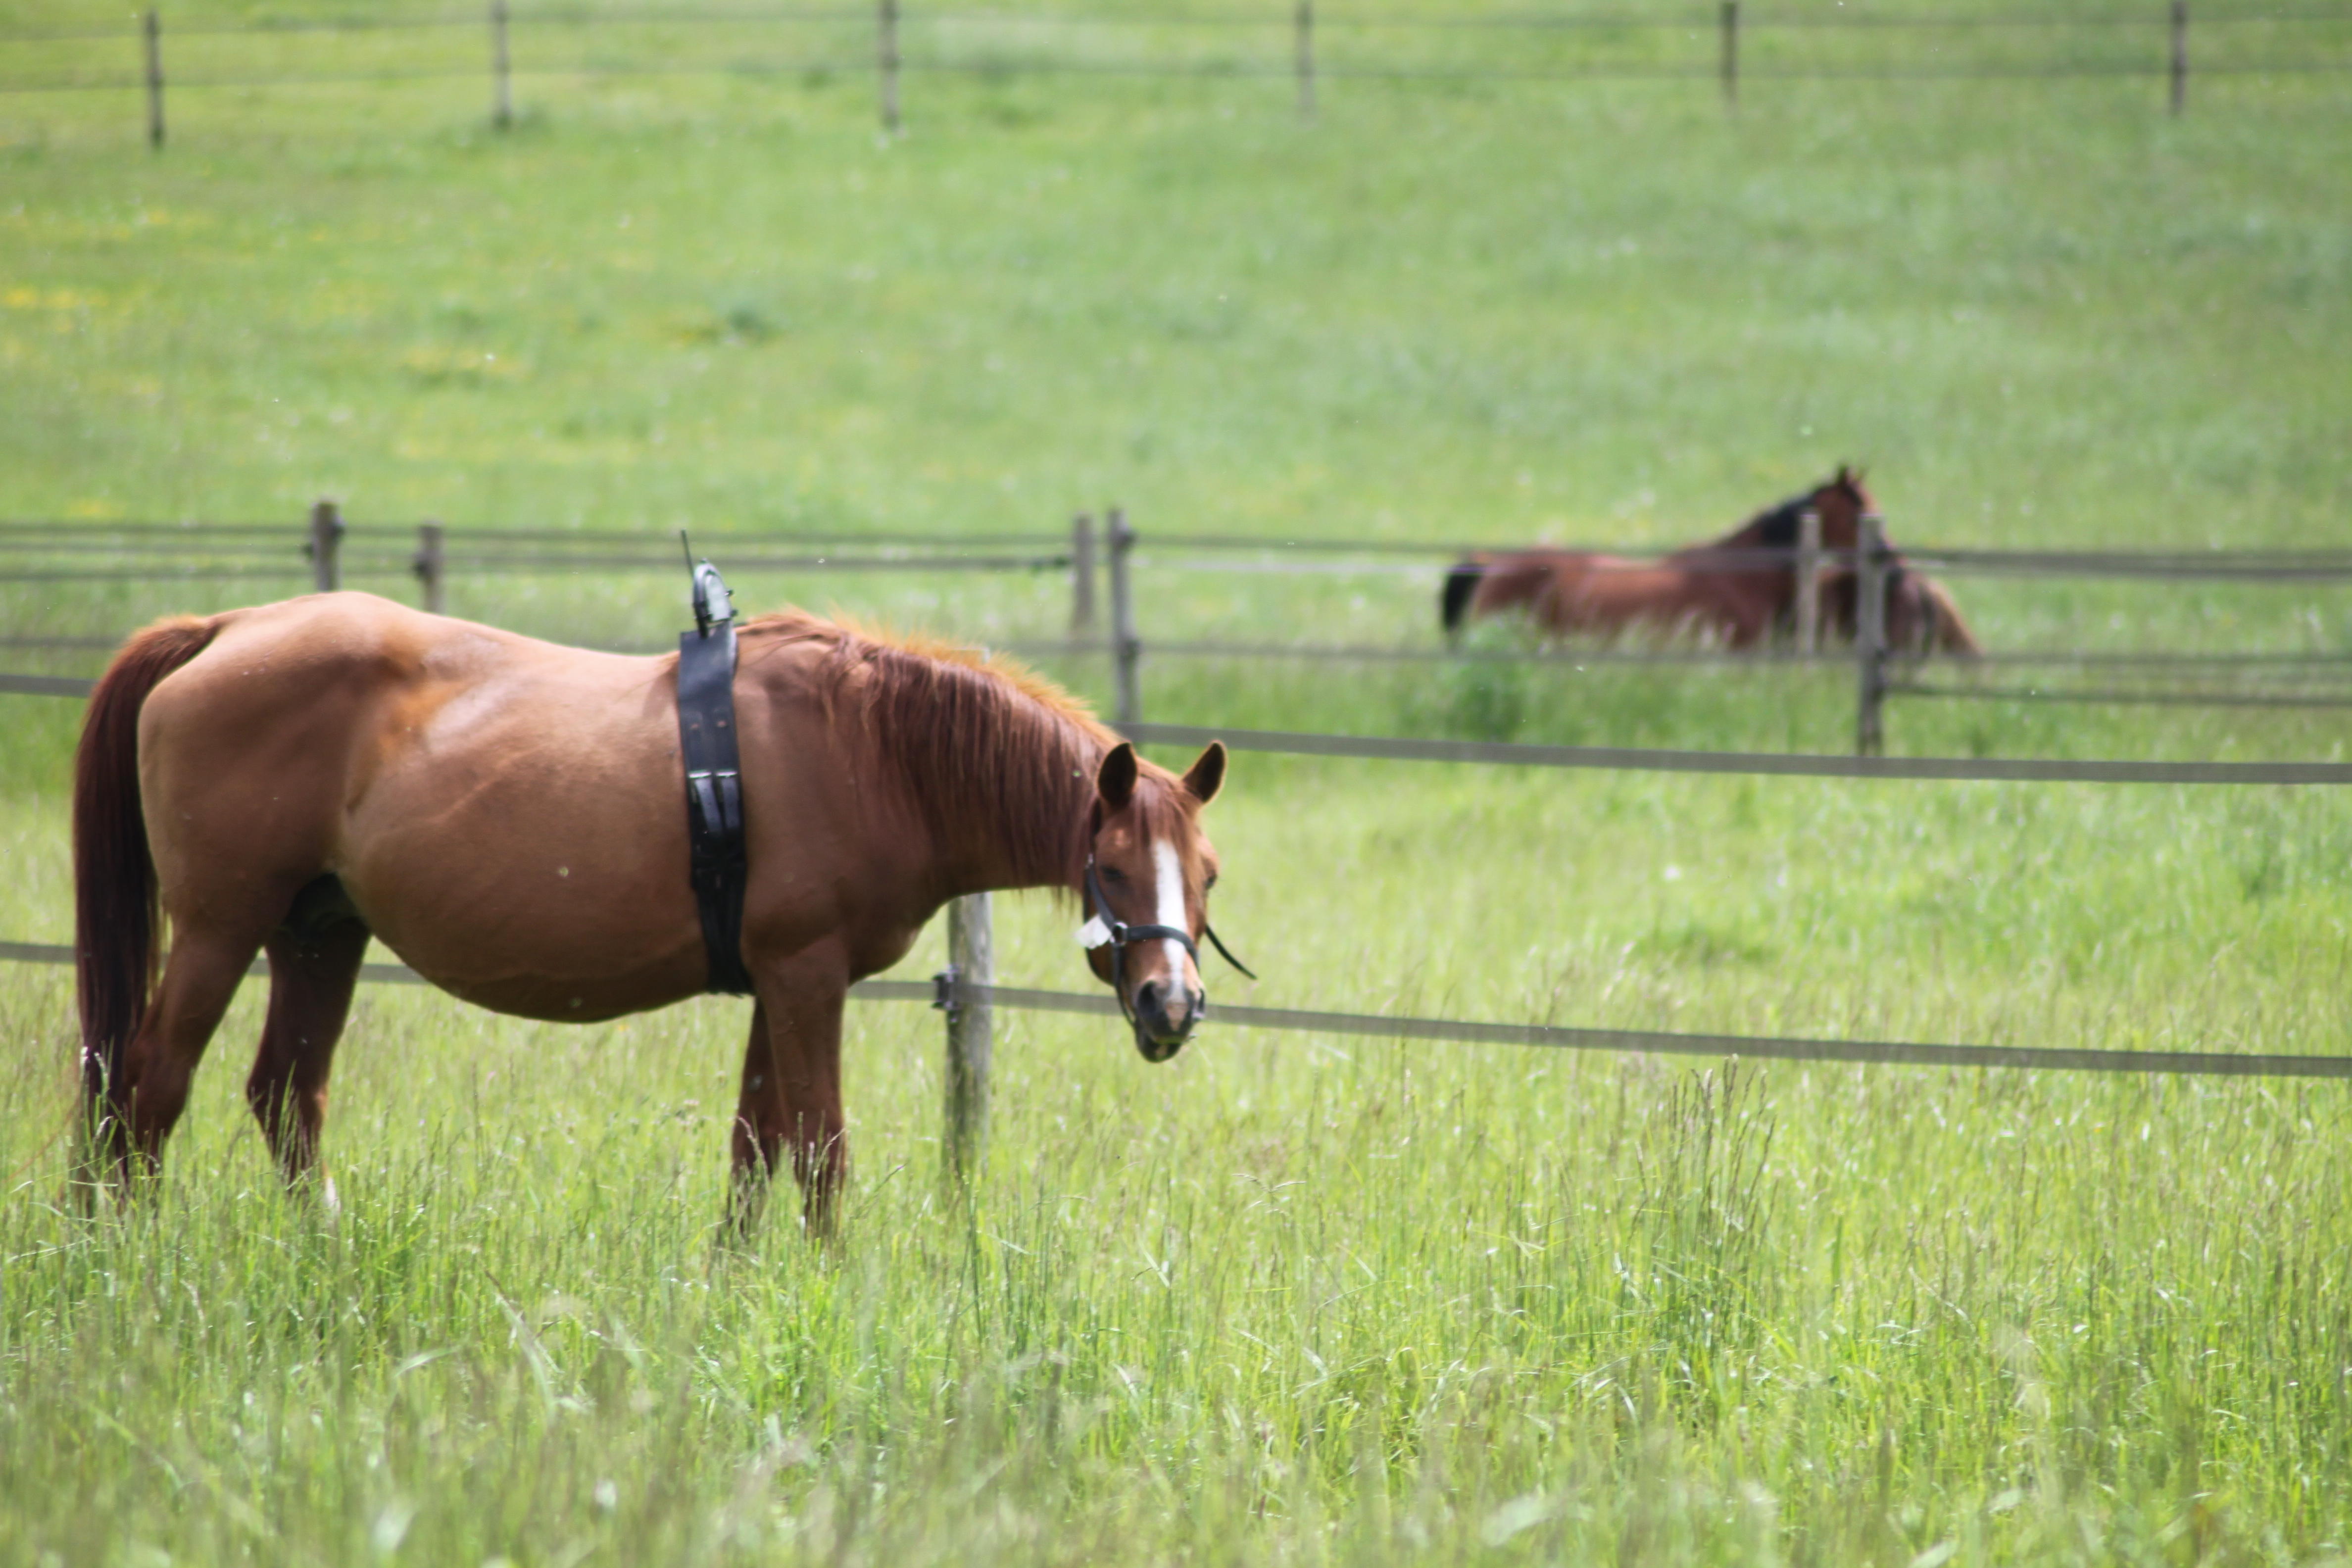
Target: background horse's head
x: 1843, y: 502
x: 1149, y: 871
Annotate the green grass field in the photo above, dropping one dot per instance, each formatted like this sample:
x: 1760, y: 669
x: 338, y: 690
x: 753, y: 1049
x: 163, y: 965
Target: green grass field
x: 1290, y: 1299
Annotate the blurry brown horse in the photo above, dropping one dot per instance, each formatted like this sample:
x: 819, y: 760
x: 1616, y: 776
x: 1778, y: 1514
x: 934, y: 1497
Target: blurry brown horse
x: 1718, y: 590
x: 509, y: 818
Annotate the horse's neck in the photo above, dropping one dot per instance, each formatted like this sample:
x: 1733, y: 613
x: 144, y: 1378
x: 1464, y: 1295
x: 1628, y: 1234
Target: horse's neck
x: 1774, y: 527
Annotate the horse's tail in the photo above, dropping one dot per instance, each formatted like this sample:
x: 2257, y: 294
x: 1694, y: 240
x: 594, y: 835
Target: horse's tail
x: 1461, y: 586
x: 1951, y: 634
x: 114, y: 873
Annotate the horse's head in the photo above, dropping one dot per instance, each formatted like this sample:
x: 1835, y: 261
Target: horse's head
x: 1148, y: 875
x: 1843, y: 503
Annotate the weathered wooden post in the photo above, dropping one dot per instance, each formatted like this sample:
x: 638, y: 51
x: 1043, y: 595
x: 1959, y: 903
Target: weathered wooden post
x: 154, y: 29
x: 2179, y: 55
x: 1809, y: 582
x: 1870, y: 637
x: 1306, y: 58
x: 432, y: 568
x: 886, y: 47
x: 1127, y: 649
x: 326, y: 541
x: 502, y: 69
x: 972, y: 1023
x: 1082, y: 576
x: 1731, y: 53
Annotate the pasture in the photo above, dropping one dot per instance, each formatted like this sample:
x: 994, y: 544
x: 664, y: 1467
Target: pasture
x: 1289, y: 1299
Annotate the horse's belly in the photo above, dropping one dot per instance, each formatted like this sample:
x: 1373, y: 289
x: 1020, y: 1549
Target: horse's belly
x: 553, y: 892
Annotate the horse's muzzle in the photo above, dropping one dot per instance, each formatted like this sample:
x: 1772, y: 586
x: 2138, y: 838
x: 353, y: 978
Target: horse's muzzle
x: 1165, y: 1017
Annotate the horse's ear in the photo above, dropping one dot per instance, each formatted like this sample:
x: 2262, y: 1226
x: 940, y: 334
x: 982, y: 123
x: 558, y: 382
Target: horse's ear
x: 1206, y: 776
x: 1115, y: 779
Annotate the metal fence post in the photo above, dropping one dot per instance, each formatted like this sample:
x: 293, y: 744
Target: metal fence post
x: 1305, y: 36
x: 1809, y: 582
x: 432, y: 568
x: 1731, y: 53
x: 155, y: 81
x: 1127, y: 649
x: 1870, y: 637
x: 1082, y: 576
x: 972, y: 961
x: 502, y: 69
x: 2179, y: 55
x: 326, y: 542
x: 885, y: 44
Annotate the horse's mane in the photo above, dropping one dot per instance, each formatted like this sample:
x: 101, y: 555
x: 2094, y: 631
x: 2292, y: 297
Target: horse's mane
x: 1777, y: 527
x: 973, y: 736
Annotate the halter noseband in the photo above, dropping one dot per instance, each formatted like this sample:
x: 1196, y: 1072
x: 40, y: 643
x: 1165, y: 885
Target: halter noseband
x: 1104, y: 928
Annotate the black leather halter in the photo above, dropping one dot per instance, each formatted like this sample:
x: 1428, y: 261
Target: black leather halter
x: 1119, y: 935
x: 718, y: 864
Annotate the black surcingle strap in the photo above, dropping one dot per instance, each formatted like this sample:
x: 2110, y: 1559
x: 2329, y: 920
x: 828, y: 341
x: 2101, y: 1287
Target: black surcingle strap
x: 718, y: 863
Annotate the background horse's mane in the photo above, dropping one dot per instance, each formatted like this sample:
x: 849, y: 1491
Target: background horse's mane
x: 974, y: 736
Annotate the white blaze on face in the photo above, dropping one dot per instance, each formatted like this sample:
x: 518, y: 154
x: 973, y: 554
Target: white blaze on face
x: 1168, y: 884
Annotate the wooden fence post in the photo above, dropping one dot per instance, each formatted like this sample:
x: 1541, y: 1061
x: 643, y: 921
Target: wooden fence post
x: 1809, y: 582
x: 1731, y: 53
x: 1082, y: 576
x: 1870, y: 637
x: 432, y: 568
x: 326, y: 541
x: 154, y: 28
x: 502, y: 69
x: 972, y: 961
x: 885, y: 45
x: 1305, y: 52
x: 2179, y: 55
x: 1127, y: 649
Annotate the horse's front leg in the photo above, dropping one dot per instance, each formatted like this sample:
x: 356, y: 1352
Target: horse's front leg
x: 791, y: 1087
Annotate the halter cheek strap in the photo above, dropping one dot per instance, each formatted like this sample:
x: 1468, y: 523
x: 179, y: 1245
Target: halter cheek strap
x: 1104, y: 928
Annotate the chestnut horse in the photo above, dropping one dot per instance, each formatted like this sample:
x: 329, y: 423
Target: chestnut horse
x: 1712, y: 589
x: 509, y: 818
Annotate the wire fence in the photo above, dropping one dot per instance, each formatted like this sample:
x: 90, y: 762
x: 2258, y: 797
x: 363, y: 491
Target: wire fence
x: 948, y: 993
x: 330, y: 553
x: 966, y: 992
x: 1300, y: 44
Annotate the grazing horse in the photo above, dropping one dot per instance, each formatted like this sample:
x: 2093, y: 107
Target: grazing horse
x: 509, y: 818
x: 1718, y: 590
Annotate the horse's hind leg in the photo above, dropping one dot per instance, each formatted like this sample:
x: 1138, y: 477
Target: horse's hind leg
x: 313, y: 965
x: 148, y: 1094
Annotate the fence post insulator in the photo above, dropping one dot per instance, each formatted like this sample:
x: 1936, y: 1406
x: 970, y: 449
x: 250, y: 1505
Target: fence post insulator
x: 1127, y: 649
x: 971, y: 962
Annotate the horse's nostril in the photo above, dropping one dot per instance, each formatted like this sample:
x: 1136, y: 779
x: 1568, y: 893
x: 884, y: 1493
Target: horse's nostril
x: 1148, y: 997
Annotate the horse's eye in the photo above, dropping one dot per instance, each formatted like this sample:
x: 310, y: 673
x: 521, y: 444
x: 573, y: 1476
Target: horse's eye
x: 1210, y: 883
x: 1113, y: 874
